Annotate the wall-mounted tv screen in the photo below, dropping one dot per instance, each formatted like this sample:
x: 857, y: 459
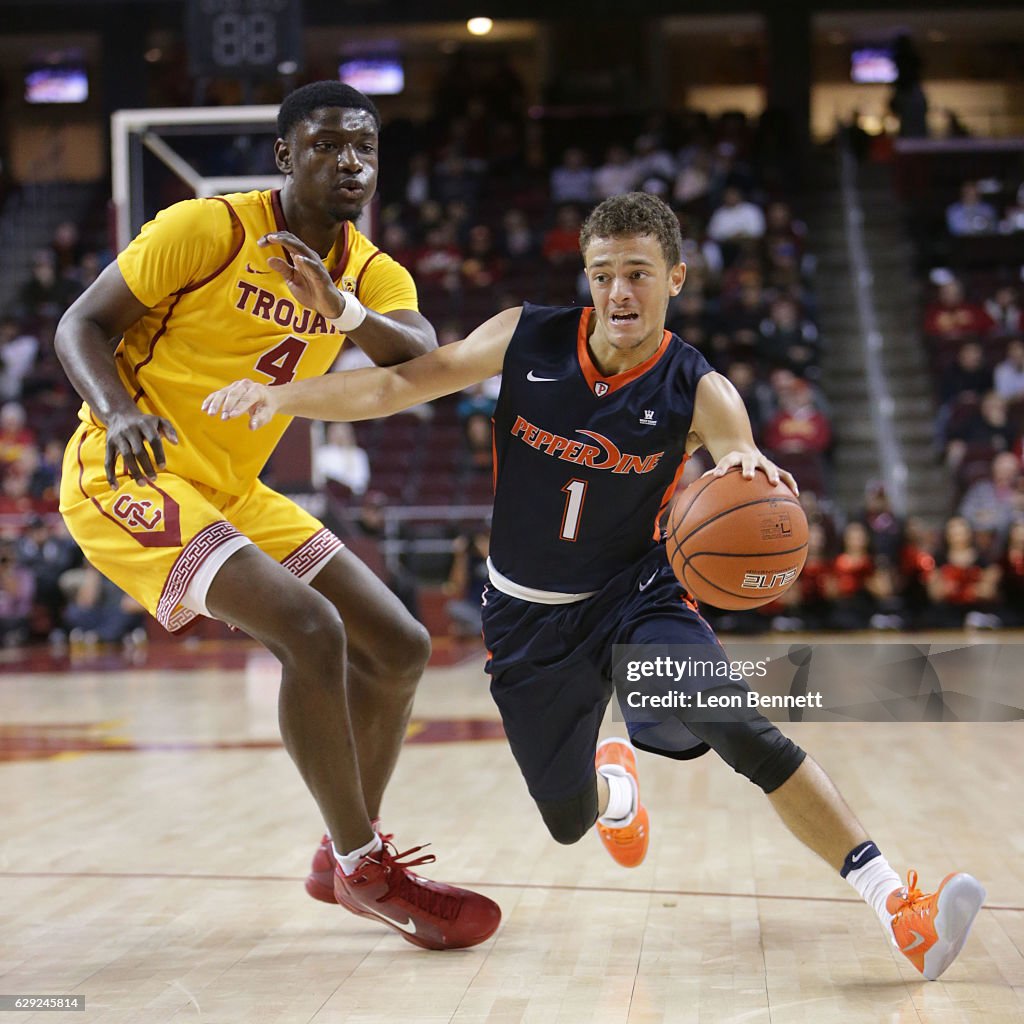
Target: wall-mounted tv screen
x: 872, y: 64
x: 378, y: 76
x: 56, y: 83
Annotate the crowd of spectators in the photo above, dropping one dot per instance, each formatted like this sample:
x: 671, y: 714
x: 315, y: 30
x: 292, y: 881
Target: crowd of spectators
x: 488, y: 219
x: 879, y: 571
x: 972, y: 329
x: 46, y: 592
x: 974, y: 214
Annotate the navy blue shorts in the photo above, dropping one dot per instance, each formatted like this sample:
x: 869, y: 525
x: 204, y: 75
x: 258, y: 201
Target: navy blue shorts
x: 551, y: 672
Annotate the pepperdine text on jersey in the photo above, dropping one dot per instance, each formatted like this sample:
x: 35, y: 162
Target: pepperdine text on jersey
x: 583, y: 454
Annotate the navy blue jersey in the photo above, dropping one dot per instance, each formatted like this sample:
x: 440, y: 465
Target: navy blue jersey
x: 584, y: 464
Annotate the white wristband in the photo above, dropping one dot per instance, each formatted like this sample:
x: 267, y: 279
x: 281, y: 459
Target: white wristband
x: 352, y: 315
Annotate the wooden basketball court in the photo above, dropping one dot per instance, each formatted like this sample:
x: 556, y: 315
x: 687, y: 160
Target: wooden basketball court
x: 155, y: 838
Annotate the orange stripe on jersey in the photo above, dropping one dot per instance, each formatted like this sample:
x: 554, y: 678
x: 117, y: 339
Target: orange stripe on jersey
x: 618, y: 380
x: 667, y: 496
x: 494, y: 460
x: 691, y: 602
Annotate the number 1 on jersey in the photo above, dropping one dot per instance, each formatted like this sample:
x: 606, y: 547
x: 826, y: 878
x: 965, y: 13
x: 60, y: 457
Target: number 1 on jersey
x: 576, y: 491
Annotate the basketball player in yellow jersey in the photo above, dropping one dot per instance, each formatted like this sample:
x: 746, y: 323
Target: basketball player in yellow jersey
x: 168, y: 504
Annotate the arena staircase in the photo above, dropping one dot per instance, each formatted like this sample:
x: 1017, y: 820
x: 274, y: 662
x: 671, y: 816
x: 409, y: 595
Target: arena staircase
x: 845, y: 374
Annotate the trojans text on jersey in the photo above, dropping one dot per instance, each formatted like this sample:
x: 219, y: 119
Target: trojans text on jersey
x: 282, y: 311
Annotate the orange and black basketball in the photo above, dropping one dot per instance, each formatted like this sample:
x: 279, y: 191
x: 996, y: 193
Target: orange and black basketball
x: 736, y: 543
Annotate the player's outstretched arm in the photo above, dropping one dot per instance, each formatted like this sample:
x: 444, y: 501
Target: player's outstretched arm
x: 374, y: 391
x: 387, y: 338
x: 85, y: 341
x: 720, y: 423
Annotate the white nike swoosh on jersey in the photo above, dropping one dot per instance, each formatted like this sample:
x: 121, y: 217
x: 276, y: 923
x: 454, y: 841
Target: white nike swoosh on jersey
x: 919, y: 940
x: 647, y: 583
x: 532, y: 376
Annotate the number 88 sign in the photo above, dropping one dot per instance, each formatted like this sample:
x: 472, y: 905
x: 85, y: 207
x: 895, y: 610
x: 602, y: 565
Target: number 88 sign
x: 244, y: 37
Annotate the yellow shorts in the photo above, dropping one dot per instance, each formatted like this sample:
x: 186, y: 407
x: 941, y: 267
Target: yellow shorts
x: 163, y: 544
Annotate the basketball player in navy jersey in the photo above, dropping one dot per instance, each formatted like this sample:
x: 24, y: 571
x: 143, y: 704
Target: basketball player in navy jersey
x: 599, y: 409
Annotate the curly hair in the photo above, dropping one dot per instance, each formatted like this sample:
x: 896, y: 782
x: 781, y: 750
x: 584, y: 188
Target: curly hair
x: 635, y: 213
x: 298, y: 105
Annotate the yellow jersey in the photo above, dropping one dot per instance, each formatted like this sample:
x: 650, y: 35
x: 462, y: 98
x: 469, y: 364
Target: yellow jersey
x: 218, y: 313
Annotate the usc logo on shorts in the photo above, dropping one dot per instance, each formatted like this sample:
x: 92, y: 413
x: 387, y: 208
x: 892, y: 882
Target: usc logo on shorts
x: 138, y: 513
x: 155, y: 522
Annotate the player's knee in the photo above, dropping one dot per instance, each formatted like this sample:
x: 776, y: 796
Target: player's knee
x: 403, y: 657
x: 751, y: 745
x: 315, y: 639
x: 412, y: 649
x: 564, y: 831
x: 570, y: 820
x: 760, y: 752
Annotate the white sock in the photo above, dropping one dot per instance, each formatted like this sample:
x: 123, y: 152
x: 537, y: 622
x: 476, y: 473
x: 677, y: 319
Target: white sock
x: 874, y: 882
x: 622, y: 796
x: 350, y: 861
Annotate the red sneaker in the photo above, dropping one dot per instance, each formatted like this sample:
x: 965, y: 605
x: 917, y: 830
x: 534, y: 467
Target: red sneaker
x: 320, y: 880
x: 428, y: 914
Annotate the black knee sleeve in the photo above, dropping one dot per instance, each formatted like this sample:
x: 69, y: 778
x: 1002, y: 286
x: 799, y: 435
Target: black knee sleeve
x: 570, y: 820
x: 746, y: 740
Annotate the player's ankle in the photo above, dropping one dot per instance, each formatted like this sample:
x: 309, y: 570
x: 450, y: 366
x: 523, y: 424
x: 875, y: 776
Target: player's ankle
x: 348, y: 862
x: 623, y: 797
x: 871, y: 875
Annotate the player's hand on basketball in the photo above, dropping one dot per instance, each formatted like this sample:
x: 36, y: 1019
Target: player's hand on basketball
x: 241, y: 397
x: 138, y: 440
x: 749, y: 463
x: 306, y: 276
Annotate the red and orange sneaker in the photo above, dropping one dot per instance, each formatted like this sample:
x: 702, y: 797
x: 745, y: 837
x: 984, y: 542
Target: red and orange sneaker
x: 433, y: 915
x: 320, y: 880
x: 627, y: 845
x: 931, y: 928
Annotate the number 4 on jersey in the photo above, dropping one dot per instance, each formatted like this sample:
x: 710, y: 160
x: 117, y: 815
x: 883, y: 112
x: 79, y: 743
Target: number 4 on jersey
x: 280, y: 362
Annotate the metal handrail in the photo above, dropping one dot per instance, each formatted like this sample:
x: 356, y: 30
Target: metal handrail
x: 892, y: 464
